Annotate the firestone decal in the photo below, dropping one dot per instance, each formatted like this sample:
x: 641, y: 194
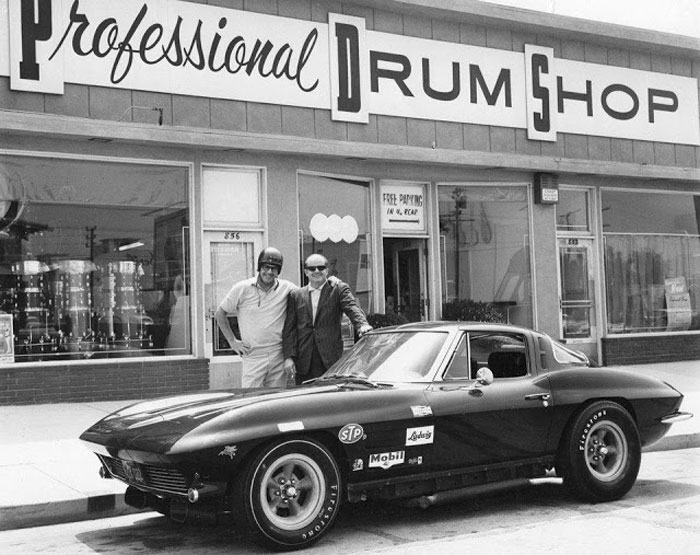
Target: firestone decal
x: 420, y: 436
x: 229, y: 451
x: 415, y: 460
x: 592, y: 420
x: 386, y: 460
x: 351, y: 433
x: 324, y: 516
x: 357, y: 465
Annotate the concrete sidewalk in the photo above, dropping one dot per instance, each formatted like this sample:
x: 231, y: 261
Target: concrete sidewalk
x: 49, y: 477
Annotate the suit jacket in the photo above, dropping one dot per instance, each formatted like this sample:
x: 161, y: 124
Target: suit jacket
x: 301, y: 332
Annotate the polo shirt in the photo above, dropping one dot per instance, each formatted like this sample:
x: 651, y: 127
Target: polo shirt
x: 260, y: 313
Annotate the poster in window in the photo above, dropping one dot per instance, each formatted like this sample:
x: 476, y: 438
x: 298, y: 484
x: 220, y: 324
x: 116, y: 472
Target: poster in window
x: 677, y: 304
x: 7, y: 344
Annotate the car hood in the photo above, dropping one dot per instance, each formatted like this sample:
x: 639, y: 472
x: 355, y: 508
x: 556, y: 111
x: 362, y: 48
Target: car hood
x: 198, y: 421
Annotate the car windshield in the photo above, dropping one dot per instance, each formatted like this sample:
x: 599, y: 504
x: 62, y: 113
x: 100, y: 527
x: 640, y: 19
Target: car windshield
x: 391, y: 357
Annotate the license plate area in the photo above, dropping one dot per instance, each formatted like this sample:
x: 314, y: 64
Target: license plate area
x: 133, y: 472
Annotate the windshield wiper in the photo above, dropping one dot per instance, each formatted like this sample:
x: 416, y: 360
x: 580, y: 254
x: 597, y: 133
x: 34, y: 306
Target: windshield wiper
x: 355, y: 378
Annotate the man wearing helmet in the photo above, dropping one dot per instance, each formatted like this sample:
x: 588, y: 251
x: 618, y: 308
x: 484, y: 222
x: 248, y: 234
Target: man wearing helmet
x: 260, y: 304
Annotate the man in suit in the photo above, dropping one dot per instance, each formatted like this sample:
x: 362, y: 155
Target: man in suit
x: 312, y: 339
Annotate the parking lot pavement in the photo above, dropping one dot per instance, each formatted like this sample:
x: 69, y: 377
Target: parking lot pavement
x: 48, y: 476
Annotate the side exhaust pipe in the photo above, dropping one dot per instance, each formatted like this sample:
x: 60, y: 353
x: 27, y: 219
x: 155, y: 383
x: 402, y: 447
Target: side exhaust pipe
x: 442, y: 497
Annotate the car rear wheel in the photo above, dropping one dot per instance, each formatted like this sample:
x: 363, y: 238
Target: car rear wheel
x: 601, y: 455
x: 289, y: 495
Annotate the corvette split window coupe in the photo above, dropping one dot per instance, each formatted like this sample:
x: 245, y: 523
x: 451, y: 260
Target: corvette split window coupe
x: 424, y: 413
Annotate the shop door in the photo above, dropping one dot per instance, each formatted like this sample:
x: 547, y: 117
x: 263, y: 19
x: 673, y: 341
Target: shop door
x: 229, y: 256
x: 577, y: 294
x: 409, y: 273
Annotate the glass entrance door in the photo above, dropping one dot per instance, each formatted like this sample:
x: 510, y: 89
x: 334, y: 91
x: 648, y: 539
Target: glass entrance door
x: 577, y: 293
x: 406, y: 284
x: 229, y: 256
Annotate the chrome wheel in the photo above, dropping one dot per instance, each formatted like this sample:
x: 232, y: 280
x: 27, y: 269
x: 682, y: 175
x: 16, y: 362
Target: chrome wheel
x: 289, y: 494
x: 606, y: 451
x: 600, y: 453
x: 292, y: 491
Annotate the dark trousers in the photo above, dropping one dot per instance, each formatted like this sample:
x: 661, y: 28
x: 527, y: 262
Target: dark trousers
x: 316, y: 368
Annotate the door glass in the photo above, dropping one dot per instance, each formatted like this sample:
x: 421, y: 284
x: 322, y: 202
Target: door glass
x: 576, y: 301
x: 230, y: 263
x: 410, y: 304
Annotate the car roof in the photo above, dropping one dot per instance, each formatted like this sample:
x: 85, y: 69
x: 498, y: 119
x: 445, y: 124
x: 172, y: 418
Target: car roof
x: 446, y: 326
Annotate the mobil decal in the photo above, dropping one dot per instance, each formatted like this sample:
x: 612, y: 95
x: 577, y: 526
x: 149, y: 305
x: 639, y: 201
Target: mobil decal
x: 386, y: 460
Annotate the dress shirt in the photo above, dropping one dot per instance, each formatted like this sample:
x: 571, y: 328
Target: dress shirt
x: 315, y: 295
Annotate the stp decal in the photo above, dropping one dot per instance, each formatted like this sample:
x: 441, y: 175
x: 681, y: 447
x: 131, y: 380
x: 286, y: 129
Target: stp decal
x: 351, y: 433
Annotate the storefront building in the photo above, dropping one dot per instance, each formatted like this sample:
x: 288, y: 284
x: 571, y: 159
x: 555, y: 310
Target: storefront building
x: 466, y: 160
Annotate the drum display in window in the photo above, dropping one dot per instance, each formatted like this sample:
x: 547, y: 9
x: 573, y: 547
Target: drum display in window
x: 75, y: 305
x: 30, y: 313
x: 123, y: 321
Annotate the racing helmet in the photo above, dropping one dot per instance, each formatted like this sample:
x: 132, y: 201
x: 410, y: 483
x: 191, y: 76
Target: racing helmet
x: 271, y: 256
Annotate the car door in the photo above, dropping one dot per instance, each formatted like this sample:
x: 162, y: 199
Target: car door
x: 486, y: 424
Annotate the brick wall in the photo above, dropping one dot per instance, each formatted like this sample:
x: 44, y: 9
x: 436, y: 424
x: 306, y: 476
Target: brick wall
x: 643, y: 350
x: 33, y: 384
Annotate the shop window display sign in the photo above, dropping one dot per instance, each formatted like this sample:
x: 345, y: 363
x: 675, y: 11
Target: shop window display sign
x: 678, y: 312
x: 7, y: 344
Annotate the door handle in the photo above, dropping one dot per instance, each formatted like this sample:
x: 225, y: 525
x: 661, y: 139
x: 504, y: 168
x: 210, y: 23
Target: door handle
x: 544, y: 397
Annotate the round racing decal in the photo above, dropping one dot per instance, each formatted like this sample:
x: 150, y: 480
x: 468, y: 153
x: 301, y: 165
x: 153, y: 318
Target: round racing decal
x: 351, y: 433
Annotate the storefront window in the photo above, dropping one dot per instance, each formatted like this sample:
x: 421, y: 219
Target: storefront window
x: 93, y: 259
x: 334, y: 217
x: 486, y: 252
x: 652, y: 261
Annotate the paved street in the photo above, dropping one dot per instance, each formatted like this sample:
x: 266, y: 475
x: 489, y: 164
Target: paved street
x: 660, y: 515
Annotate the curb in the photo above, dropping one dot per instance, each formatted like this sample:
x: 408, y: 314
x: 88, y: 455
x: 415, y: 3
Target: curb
x: 113, y: 505
x: 673, y: 443
x: 61, y: 512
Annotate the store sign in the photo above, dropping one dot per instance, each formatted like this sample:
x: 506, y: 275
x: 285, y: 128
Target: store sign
x: 193, y: 49
x: 403, y: 207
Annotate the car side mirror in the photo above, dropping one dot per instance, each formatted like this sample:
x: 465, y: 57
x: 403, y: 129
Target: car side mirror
x: 484, y: 376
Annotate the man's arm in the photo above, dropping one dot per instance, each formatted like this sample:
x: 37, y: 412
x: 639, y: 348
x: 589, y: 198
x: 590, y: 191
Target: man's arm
x: 351, y: 308
x: 289, y: 331
x: 228, y: 306
x: 289, y: 337
x: 237, y: 345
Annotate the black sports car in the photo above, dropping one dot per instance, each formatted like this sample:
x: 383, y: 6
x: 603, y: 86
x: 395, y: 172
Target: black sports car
x: 420, y: 412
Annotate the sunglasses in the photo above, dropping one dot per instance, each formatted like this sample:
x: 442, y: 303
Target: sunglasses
x: 316, y: 268
x: 268, y: 268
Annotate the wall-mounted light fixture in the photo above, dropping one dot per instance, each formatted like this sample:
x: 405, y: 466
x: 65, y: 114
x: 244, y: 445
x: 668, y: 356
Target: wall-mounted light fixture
x: 151, y: 108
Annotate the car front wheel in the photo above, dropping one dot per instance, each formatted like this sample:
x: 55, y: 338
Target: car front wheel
x: 289, y: 495
x: 600, y: 457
